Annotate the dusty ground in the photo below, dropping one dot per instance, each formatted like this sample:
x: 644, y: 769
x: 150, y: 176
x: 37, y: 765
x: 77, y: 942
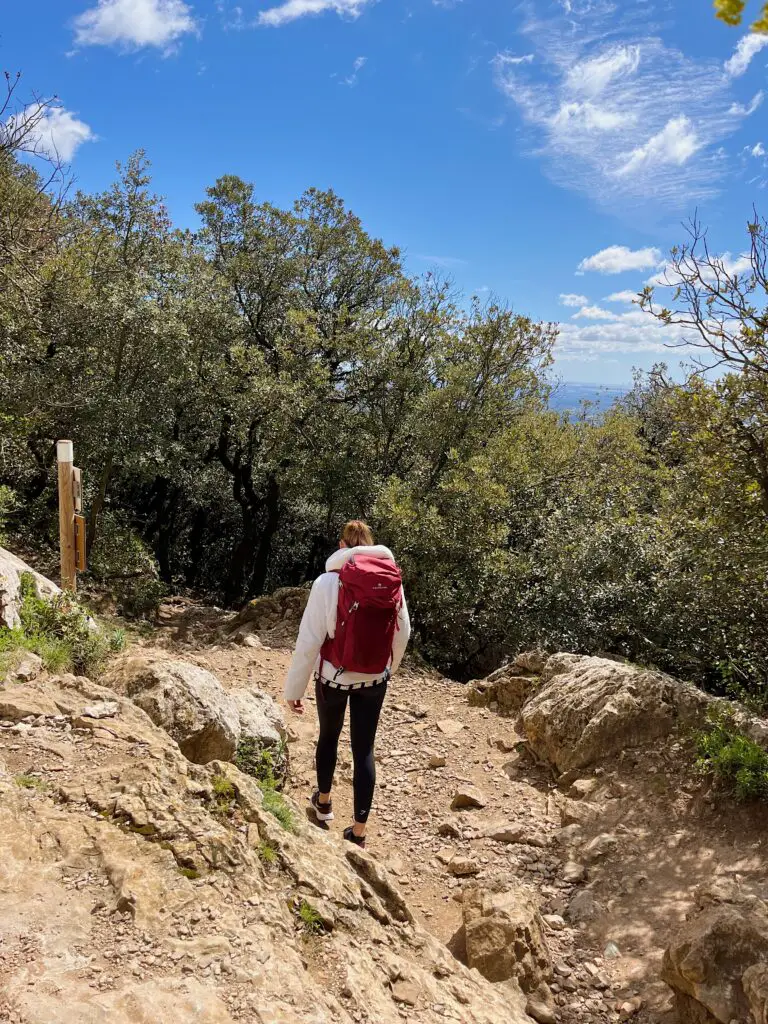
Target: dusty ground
x: 665, y: 833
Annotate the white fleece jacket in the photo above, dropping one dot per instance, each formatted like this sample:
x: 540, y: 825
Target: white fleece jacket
x: 319, y: 622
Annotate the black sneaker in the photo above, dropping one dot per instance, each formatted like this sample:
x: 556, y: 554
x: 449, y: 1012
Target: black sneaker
x: 350, y: 836
x: 323, y: 812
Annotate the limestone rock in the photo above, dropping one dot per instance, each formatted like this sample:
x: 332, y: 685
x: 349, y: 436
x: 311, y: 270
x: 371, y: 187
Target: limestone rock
x: 185, y: 700
x: 588, y: 709
x: 11, y: 570
x: 716, y: 964
x: 506, y: 688
x: 540, y: 1012
x: 505, y: 937
x: 142, y: 879
x: 260, y: 716
x: 755, y: 983
x: 463, y: 866
x: 468, y: 797
x: 29, y: 667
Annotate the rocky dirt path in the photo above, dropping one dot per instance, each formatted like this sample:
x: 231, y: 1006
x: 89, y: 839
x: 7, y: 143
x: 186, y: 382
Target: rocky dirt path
x: 613, y: 855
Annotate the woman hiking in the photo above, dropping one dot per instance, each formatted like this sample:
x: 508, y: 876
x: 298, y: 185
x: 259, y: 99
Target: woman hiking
x: 352, y: 637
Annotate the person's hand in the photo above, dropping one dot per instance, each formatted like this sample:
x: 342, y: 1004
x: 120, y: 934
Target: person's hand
x: 296, y: 706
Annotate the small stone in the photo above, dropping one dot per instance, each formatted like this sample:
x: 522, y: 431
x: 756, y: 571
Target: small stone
x: 406, y: 992
x: 554, y: 922
x: 573, y: 872
x: 104, y: 709
x: 540, y: 1012
x: 507, y: 834
x: 630, y: 1008
x: 448, y: 830
x: 437, y: 761
x: 450, y: 727
x: 462, y: 866
x: 468, y: 796
x: 582, y: 789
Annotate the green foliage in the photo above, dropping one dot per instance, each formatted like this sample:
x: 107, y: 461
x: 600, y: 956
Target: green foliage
x: 224, y: 796
x: 731, y: 757
x: 122, y: 562
x: 276, y: 805
x: 732, y: 13
x: 8, y: 503
x: 267, y: 853
x: 237, y: 393
x: 266, y: 764
x: 310, y: 919
x: 61, y: 632
x: 31, y: 782
x: 190, y: 873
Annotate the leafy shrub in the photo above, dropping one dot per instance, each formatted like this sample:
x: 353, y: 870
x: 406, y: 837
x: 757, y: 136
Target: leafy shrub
x: 31, y: 782
x: 267, y: 853
x: 8, y: 503
x: 62, y: 632
x: 266, y: 764
x: 731, y: 757
x: 276, y: 805
x: 224, y: 796
x: 122, y: 562
x: 310, y: 919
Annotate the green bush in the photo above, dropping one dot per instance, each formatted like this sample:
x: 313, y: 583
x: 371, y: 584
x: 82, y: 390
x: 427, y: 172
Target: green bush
x: 731, y: 757
x: 310, y: 919
x: 266, y: 764
x: 276, y: 805
x: 122, y: 563
x: 60, y: 632
x: 224, y: 796
x: 8, y: 503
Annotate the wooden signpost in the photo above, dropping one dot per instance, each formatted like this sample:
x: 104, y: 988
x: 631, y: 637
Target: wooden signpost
x: 71, y: 522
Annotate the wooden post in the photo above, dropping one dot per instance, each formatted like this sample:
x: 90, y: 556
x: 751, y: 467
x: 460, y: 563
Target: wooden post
x: 65, y: 458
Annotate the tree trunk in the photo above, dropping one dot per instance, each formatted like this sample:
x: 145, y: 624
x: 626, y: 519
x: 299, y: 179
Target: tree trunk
x: 261, y: 565
x: 98, y: 504
x: 241, y: 561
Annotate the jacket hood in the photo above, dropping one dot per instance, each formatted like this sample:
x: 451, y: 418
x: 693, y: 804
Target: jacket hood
x: 343, y: 555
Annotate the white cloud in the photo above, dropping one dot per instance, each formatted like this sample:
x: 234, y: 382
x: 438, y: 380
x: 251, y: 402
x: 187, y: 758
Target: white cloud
x: 53, y: 132
x: 757, y: 150
x: 625, y: 297
x: 569, y: 299
x: 134, y: 23
x: 667, y: 277
x: 618, y: 258
x: 740, y: 110
x: 747, y: 48
x: 591, y: 341
x: 357, y: 67
x: 615, y: 111
x: 674, y: 144
x: 591, y: 77
x: 293, y: 9
x: 511, y: 60
x: 594, y: 313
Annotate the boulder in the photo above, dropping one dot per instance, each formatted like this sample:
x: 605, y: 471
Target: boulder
x: 275, y: 617
x: 260, y: 716
x: 467, y: 797
x: 505, y: 688
x: 11, y: 571
x: 717, y: 965
x: 588, y: 709
x: 185, y: 700
x: 505, y: 937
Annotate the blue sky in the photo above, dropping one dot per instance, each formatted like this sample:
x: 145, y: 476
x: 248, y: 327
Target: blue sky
x: 545, y: 153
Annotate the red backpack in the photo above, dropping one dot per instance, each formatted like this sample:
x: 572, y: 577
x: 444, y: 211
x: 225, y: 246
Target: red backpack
x: 370, y: 597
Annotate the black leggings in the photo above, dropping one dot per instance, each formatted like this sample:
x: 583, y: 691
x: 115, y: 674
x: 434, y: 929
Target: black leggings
x: 364, y: 710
